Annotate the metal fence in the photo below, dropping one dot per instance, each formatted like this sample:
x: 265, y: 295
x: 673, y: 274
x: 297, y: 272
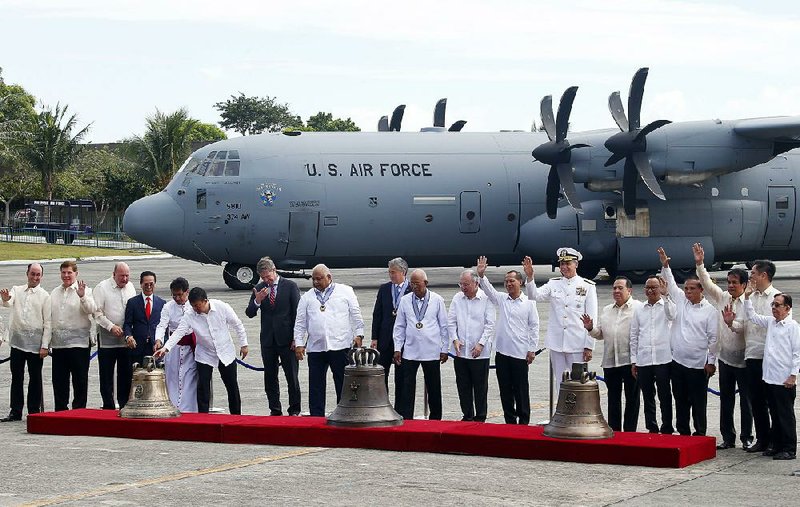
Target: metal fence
x: 99, y: 239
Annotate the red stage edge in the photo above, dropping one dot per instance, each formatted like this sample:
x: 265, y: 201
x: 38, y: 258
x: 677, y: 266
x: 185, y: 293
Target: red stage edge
x: 449, y: 437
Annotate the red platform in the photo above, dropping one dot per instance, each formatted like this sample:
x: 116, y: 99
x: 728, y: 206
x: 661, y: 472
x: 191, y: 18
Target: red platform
x: 453, y: 437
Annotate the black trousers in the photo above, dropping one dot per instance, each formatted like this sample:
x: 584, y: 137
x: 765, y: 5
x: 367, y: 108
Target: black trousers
x: 431, y: 370
x: 291, y: 366
x: 318, y: 364
x: 757, y: 394
x: 689, y: 387
x: 19, y: 358
x: 616, y: 378
x: 107, y: 360
x: 784, y: 424
x: 512, y: 379
x: 72, y: 362
x: 472, y: 382
x: 654, y: 379
x: 387, y: 360
x: 228, y: 375
x: 729, y: 378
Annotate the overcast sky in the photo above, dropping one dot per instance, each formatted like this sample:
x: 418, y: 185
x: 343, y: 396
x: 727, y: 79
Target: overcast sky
x: 114, y: 62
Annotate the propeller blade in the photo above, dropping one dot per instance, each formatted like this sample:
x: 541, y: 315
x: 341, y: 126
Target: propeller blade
x: 635, y: 98
x: 617, y: 111
x: 613, y: 159
x: 457, y: 126
x: 650, y: 127
x: 438, y: 113
x: 564, y: 109
x: 397, y: 118
x: 629, y: 180
x: 552, y: 192
x: 642, y: 164
x: 383, y: 124
x: 568, y: 185
x: 546, y: 109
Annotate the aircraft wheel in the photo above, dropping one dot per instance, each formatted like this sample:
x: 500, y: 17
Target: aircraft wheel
x: 239, y: 276
x: 588, y: 270
x: 638, y: 276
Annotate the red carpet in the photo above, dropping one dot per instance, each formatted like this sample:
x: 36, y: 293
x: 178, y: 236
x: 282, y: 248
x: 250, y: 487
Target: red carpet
x: 453, y: 437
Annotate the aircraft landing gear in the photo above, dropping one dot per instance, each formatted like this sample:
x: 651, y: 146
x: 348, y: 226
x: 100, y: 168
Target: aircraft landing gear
x: 588, y: 270
x: 239, y: 276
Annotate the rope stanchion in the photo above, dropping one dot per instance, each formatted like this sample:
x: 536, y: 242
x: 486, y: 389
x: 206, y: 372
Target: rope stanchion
x: 249, y: 366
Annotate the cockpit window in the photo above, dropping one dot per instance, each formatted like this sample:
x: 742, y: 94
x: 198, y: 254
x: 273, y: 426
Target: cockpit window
x: 211, y: 155
x: 218, y: 168
x: 233, y: 154
x: 232, y: 168
x: 221, y: 155
x: 203, y: 167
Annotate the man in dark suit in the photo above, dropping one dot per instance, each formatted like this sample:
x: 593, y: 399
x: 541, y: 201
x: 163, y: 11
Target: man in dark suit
x: 383, y: 317
x: 277, y: 297
x: 142, y: 315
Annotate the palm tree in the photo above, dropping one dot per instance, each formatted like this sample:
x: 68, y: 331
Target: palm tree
x: 49, y: 146
x: 165, y: 144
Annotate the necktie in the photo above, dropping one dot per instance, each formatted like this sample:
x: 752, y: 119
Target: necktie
x: 147, y: 309
x: 396, y: 295
x: 272, y: 294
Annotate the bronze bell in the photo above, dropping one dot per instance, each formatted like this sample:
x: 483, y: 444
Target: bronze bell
x: 364, y: 400
x: 578, y: 414
x: 148, y: 398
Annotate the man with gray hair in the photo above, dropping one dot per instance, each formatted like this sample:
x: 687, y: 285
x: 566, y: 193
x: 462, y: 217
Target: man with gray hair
x: 471, y: 325
x: 277, y: 298
x: 111, y: 296
x: 421, y: 339
x: 384, y: 315
x: 28, y: 328
x: 328, y: 323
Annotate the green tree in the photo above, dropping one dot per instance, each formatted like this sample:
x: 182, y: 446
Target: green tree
x: 254, y: 115
x: 207, y: 132
x: 164, y: 146
x: 325, y: 122
x: 16, y: 115
x: 16, y: 182
x: 50, y: 145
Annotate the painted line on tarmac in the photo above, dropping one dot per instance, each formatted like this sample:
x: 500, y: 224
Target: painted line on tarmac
x: 117, y: 488
x: 25, y: 262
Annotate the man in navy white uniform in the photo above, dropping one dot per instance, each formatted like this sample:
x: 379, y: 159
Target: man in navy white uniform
x: 781, y: 365
x: 328, y: 323
x: 516, y: 339
x: 471, y: 324
x: 570, y: 296
x: 421, y: 339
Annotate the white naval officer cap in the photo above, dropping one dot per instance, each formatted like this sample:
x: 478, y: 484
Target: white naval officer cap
x: 568, y: 254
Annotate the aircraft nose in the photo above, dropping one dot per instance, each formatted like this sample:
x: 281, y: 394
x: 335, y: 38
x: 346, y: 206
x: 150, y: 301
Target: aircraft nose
x: 157, y: 221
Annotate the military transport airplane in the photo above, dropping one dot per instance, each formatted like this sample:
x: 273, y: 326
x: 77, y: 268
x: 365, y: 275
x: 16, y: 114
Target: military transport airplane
x: 441, y: 198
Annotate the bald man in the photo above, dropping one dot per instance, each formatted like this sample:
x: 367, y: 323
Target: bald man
x: 111, y: 295
x: 28, y: 328
x: 328, y: 323
x: 421, y: 338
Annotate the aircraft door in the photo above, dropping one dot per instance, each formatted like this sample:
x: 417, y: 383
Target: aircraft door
x: 470, y: 214
x: 780, y: 216
x: 303, y: 229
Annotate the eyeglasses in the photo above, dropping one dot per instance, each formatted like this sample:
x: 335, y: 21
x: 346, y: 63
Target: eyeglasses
x: 776, y: 305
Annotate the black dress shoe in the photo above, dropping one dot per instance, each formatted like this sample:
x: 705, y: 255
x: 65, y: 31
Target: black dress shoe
x: 769, y: 452
x: 725, y: 445
x: 747, y: 444
x: 784, y: 455
x: 758, y: 447
x: 11, y: 417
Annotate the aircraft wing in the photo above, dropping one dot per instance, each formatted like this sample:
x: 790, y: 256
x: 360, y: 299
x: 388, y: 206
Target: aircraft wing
x: 779, y: 128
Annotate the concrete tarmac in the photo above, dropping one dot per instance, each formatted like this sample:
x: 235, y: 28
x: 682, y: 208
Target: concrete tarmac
x: 50, y: 470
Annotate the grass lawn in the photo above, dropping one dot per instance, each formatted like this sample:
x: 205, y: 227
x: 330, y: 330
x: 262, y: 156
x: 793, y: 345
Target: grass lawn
x: 28, y: 251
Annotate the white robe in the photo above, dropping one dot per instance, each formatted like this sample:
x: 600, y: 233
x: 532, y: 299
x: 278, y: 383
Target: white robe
x: 180, y: 367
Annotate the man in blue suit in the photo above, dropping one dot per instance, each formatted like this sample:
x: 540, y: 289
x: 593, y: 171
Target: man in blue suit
x: 383, y: 317
x: 142, y: 315
x: 277, y: 298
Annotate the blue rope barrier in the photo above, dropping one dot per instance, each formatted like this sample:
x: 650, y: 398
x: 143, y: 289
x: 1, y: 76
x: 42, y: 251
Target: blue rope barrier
x: 5, y: 360
x: 249, y: 366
